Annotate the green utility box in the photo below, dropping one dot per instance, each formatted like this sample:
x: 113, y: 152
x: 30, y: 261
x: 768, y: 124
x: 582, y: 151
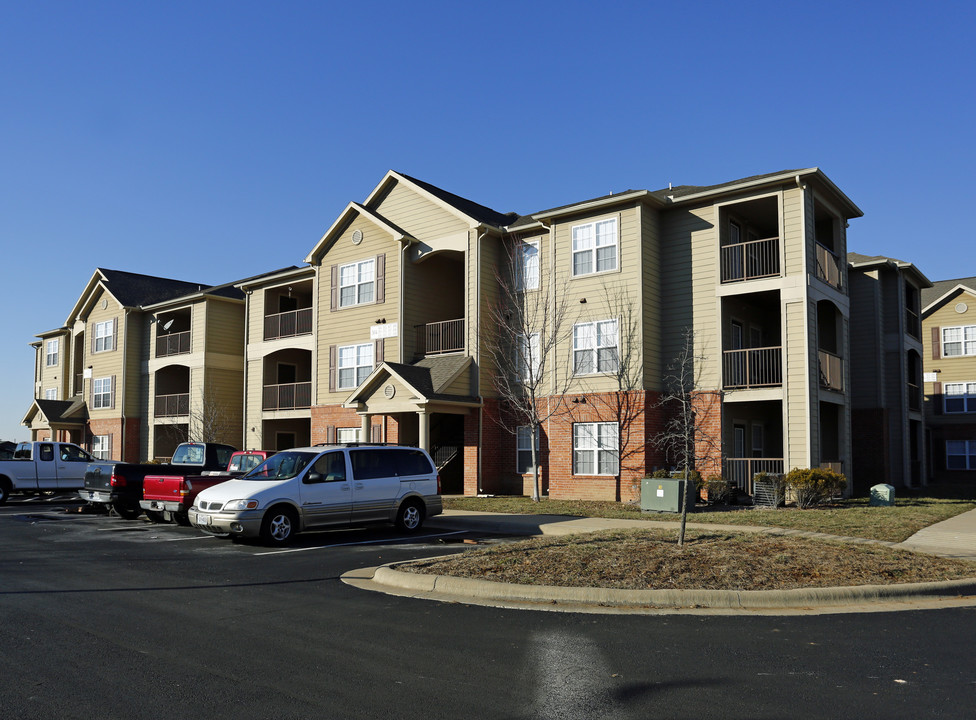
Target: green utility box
x: 882, y: 494
x: 663, y: 495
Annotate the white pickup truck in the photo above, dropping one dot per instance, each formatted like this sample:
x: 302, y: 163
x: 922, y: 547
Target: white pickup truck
x: 43, y: 466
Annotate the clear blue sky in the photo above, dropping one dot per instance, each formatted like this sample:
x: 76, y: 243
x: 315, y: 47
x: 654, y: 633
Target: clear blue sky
x: 209, y: 141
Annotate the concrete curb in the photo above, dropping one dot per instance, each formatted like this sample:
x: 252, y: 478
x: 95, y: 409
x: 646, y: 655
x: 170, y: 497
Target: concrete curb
x: 390, y: 576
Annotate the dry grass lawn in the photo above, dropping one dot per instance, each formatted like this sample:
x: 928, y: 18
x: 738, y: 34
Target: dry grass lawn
x: 650, y: 559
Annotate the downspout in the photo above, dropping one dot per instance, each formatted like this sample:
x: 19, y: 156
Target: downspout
x: 247, y: 340
x: 125, y: 334
x: 477, y: 359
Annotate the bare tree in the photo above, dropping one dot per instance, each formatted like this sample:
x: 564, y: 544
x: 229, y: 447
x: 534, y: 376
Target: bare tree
x: 692, y: 408
x: 529, y: 327
x: 210, y: 419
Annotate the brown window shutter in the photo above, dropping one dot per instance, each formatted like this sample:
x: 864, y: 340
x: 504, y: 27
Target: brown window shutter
x: 332, y: 368
x: 380, y: 352
x: 936, y: 343
x: 330, y: 434
x: 381, y: 278
x: 376, y: 433
x: 937, y: 399
x: 334, y: 289
x: 110, y: 448
x: 115, y: 334
x: 92, y: 339
x: 112, y: 393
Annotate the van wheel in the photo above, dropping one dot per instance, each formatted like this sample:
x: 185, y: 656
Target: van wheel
x: 4, y: 490
x: 279, y: 525
x: 410, y: 516
x: 155, y: 516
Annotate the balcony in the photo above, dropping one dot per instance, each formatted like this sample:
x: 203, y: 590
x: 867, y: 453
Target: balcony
x: 288, y: 324
x: 752, y: 368
x: 828, y: 266
x: 288, y: 396
x: 914, y: 397
x: 750, y: 260
x: 831, y: 371
x: 173, y: 405
x: 79, y: 384
x: 741, y: 471
x: 177, y: 343
x: 440, y: 338
x: 913, y: 325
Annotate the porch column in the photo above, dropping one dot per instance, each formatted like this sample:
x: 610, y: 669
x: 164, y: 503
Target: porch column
x: 364, y: 429
x: 423, y: 420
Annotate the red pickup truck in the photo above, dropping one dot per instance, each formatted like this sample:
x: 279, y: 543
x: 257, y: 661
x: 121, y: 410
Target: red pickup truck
x: 168, y: 497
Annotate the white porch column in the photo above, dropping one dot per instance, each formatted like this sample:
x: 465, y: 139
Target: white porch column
x: 364, y: 429
x: 423, y: 419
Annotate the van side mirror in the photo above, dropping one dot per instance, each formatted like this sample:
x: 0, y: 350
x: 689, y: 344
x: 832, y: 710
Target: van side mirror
x: 314, y: 477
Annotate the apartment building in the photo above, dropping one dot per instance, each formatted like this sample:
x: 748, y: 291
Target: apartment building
x: 949, y: 339
x: 388, y: 330
x: 141, y: 363
x: 886, y: 372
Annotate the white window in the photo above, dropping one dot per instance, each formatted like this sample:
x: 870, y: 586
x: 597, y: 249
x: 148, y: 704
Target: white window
x: 524, y: 449
x: 51, y: 394
x: 529, y: 357
x: 355, y: 364
x: 595, y: 448
x: 527, y: 272
x: 595, y: 247
x: 102, y: 392
x: 102, y: 447
x: 51, y: 352
x: 959, y: 340
x: 105, y: 336
x: 357, y: 283
x: 959, y: 397
x: 347, y: 435
x: 595, y: 347
x: 961, y: 454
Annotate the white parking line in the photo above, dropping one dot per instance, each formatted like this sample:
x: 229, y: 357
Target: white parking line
x: 364, y: 542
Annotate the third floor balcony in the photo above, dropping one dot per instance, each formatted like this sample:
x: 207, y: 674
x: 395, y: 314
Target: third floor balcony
x: 291, y: 323
x: 750, y: 260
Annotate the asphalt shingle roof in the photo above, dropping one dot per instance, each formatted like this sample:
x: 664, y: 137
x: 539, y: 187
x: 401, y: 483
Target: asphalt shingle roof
x: 941, y: 287
x: 468, y: 207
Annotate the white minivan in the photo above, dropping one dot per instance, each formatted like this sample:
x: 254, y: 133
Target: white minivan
x: 323, y: 486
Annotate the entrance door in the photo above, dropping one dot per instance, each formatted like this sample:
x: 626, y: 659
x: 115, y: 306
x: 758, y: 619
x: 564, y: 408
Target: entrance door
x: 739, y: 444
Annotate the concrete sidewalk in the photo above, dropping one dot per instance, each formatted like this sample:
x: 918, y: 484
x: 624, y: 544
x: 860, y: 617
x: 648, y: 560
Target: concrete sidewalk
x: 954, y: 538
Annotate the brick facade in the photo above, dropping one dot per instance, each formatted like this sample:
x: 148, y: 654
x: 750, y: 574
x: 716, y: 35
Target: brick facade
x: 112, y: 427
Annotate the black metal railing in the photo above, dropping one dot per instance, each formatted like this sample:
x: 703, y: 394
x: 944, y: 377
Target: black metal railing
x: 752, y: 367
x: 288, y: 324
x: 750, y: 260
x: 439, y: 338
x: 287, y: 396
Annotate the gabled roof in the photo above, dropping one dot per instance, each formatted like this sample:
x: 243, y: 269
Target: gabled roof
x: 341, y: 222
x: 131, y: 290
x: 58, y: 412
x: 484, y: 215
x: 943, y: 290
x: 428, y: 378
x: 866, y: 262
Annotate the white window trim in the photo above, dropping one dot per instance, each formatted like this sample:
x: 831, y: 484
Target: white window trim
x: 529, y: 358
x: 356, y: 366
x: 104, y: 332
x: 523, y: 445
x: 968, y: 454
x: 615, y: 243
x: 51, y: 394
x: 52, y: 356
x: 523, y: 280
x: 597, y: 448
x: 358, y: 265
x: 595, y: 348
x: 101, y: 446
x: 353, y: 431
x: 102, y: 399
x: 967, y: 336
x: 967, y: 397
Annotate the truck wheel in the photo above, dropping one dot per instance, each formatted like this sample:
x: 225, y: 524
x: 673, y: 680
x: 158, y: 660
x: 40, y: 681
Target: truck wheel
x: 410, y: 516
x: 154, y: 516
x: 279, y: 525
x: 127, y: 511
x: 4, y: 490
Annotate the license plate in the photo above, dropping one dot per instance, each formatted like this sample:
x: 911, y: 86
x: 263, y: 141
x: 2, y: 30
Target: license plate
x: 202, y: 519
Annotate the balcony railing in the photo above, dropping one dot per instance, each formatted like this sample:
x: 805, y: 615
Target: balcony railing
x: 913, y: 326
x: 288, y: 396
x: 831, y: 371
x: 173, y: 405
x: 828, y: 266
x: 740, y: 471
x: 750, y: 260
x: 440, y: 337
x: 753, y: 367
x: 173, y: 344
x: 288, y: 324
x: 79, y: 383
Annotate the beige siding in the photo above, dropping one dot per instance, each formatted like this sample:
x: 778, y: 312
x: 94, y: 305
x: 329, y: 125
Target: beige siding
x: 491, y: 256
x: 951, y: 369
x: 350, y: 325
x: 420, y: 216
x: 799, y: 409
x: 650, y: 311
x: 222, y: 405
x: 106, y: 363
x: 224, y: 333
x: 57, y: 376
x: 798, y: 253
x: 433, y: 291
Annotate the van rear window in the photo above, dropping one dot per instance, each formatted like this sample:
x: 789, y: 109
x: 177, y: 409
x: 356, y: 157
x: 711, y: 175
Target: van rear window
x: 394, y: 462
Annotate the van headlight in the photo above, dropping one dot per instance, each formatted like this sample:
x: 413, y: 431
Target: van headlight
x: 235, y: 505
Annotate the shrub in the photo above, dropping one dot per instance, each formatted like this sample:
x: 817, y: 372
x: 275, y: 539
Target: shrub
x: 814, y: 486
x: 660, y: 473
x: 719, y: 489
